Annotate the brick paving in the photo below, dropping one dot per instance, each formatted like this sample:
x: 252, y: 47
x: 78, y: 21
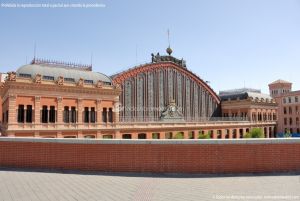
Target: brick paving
x: 22, y: 185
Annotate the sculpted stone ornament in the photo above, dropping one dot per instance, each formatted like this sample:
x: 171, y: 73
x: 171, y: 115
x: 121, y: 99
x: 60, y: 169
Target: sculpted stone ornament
x: 38, y: 78
x: 60, y: 80
x: 99, y: 84
x: 118, y: 86
x: 80, y: 82
x: 171, y: 113
x: 12, y: 76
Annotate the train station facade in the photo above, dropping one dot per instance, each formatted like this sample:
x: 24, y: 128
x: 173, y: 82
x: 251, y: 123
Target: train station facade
x: 162, y: 99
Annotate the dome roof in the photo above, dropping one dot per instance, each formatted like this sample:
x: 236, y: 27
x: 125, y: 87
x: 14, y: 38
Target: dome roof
x: 56, y: 71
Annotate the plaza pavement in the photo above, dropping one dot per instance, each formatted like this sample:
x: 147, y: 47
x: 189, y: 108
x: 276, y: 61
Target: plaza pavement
x: 17, y: 184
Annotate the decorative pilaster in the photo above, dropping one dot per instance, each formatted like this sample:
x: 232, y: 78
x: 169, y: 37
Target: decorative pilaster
x: 99, y: 112
x: 12, y: 112
x: 118, y: 135
x: 80, y: 110
x: 185, y: 135
x: 59, y: 110
x: 116, y: 111
x: 37, y: 109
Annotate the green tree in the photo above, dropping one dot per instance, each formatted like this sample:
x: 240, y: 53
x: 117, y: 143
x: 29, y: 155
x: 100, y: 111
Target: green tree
x: 255, y: 133
x: 178, y: 135
x: 204, y: 136
x: 287, y: 134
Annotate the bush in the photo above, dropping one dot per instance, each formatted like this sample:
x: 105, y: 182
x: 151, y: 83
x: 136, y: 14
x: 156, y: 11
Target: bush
x: 287, y: 134
x: 178, y: 135
x: 255, y: 133
x: 204, y: 136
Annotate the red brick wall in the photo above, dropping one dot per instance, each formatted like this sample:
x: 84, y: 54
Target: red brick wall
x: 179, y: 158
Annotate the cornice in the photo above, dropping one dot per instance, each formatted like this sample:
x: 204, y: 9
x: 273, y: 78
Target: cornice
x: 61, y: 88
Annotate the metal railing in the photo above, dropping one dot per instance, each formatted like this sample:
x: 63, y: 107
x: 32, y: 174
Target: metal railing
x: 189, y: 119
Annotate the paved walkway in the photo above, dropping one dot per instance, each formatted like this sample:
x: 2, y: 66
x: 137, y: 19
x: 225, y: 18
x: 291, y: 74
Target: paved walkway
x: 38, y: 186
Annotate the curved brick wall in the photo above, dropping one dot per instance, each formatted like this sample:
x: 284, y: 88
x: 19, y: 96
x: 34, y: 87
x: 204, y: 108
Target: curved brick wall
x: 173, y: 156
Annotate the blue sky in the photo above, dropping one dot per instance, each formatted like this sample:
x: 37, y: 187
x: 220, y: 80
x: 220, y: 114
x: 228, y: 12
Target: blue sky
x: 230, y: 43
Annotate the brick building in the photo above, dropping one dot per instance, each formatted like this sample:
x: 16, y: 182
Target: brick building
x: 288, y: 106
x: 162, y: 99
x: 250, y: 104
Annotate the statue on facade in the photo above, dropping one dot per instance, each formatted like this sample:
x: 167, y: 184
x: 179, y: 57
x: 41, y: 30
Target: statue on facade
x: 80, y: 82
x: 12, y: 76
x: 118, y: 86
x: 38, y: 78
x: 171, y: 113
x: 60, y: 80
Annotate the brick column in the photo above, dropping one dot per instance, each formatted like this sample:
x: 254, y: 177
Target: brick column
x: 238, y: 133
x: 37, y: 110
x: 148, y: 135
x: 36, y: 134
x: 79, y: 134
x: 79, y: 111
x: 185, y: 134
x: 12, y: 109
x: 230, y: 133
x: 99, y: 112
x: 223, y: 134
x: 59, y: 134
x: 116, y: 113
x: 214, y: 135
x: 59, y: 110
x: 196, y: 134
x: 134, y: 135
x: 99, y: 135
x: 117, y: 135
x: 267, y: 133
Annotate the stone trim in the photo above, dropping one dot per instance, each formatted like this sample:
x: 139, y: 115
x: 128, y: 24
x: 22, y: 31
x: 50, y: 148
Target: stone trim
x: 163, y: 141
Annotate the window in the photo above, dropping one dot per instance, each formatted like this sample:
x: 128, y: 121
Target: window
x: 285, y: 121
x: 3, y: 117
x: 29, y: 114
x: 284, y: 110
x: 88, y: 81
x: 110, y: 115
x: 296, y: 99
x: 45, y: 77
x: 25, y: 75
x: 45, y: 114
x: 284, y: 100
x: 67, y: 79
x: 52, y: 114
x: 104, y: 115
x: 93, y: 115
x: 86, y: 115
x: 291, y: 121
x: 290, y: 99
x: 66, y: 114
x: 73, y: 114
x: 21, y: 113
x: 296, y: 109
x: 7, y: 116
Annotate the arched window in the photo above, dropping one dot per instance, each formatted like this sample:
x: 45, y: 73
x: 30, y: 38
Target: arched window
x: 126, y: 136
x: 142, y: 136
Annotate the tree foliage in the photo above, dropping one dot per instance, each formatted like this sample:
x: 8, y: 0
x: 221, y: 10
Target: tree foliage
x: 255, y: 133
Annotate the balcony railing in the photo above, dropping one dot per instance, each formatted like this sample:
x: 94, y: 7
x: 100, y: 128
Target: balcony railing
x: 192, y: 119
